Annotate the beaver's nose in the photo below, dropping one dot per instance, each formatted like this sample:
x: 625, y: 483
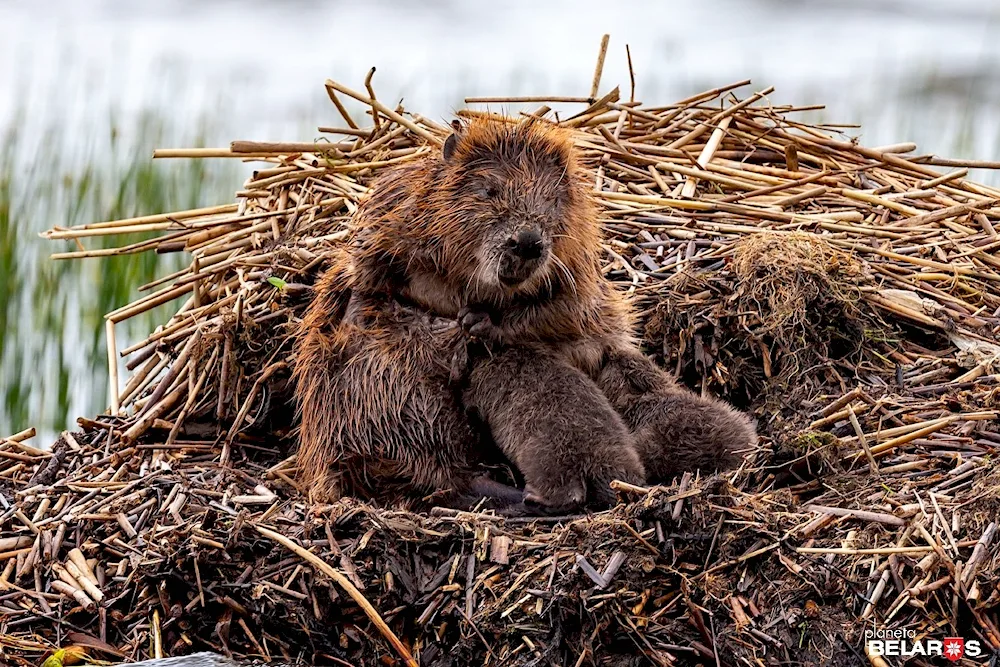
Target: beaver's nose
x: 527, y: 244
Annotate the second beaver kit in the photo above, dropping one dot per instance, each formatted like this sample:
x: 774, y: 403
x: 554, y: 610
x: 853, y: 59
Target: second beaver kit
x: 498, y: 232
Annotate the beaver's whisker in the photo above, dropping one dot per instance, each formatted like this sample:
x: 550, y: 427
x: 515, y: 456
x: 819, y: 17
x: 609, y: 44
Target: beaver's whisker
x: 468, y: 285
x: 565, y: 270
x: 562, y: 175
x: 475, y: 288
x: 546, y: 282
x: 496, y: 271
x: 566, y: 236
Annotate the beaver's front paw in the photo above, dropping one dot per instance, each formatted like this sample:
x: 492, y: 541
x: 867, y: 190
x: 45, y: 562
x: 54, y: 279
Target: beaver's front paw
x: 568, y: 495
x: 478, y: 324
x: 481, y: 339
x: 459, y: 366
x: 621, y: 463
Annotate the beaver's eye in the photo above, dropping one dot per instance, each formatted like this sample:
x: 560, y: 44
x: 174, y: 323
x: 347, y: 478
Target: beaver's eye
x: 488, y: 192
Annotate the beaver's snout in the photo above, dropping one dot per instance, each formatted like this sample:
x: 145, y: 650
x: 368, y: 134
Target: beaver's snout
x: 521, y: 255
x: 526, y: 244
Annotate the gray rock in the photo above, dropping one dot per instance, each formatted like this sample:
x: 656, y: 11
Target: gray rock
x: 196, y: 660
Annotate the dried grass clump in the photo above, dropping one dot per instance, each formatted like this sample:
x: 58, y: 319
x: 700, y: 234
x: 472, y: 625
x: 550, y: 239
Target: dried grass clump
x: 846, y: 295
x: 801, y: 300
x: 794, y: 285
x: 783, y: 305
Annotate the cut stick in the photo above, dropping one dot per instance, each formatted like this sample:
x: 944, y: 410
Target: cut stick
x: 345, y: 583
x: 707, y: 154
x: 599, y: 69
x: 863, y: 515
x: 387, y: 112
x: 279, y: 148
x: 109, y: 327
x: 143, y: 220
x: 166, y: 153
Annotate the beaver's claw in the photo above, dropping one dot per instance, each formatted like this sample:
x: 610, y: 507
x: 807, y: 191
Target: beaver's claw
x: 479, y: 325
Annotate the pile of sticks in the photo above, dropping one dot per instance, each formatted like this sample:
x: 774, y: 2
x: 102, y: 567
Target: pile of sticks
x: 174, y: 522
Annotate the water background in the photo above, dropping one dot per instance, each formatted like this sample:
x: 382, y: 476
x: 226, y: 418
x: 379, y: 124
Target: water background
x: 89, y: 88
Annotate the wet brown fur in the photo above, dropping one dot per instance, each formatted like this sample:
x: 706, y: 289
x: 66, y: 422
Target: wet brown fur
x: 374, y: 395
x: 556, y: 426
x: 373, y: 364
x: 674, y: 430
x: 423, y: 230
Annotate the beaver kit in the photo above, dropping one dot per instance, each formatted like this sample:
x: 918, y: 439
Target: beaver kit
x: 843, y: 296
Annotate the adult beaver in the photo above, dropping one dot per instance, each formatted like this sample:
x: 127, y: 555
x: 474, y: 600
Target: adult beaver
x: 379, y: 415
x: 500, y: 232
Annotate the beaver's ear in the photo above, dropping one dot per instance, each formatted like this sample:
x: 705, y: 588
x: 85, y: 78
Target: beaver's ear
x: 451, y: 143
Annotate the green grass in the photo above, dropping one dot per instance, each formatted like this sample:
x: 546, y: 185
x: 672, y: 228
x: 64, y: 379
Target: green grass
x: 53, y: 360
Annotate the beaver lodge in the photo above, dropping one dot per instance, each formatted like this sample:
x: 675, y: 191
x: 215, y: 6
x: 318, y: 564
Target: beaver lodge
x: 846, y: 296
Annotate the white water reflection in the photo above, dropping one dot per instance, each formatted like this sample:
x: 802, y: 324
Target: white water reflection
x: 261, y: 64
